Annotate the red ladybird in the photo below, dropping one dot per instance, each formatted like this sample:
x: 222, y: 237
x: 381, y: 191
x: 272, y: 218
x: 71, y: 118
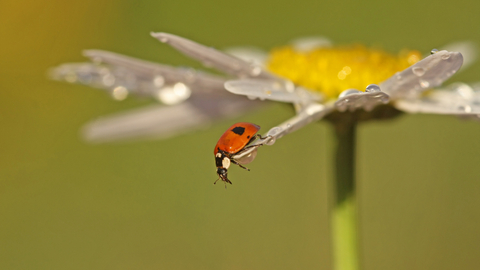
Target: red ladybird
x: 232, y: 143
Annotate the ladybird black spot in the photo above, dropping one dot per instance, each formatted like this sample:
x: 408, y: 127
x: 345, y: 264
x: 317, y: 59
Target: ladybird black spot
x: 248, y: 137
x: 238, y: 130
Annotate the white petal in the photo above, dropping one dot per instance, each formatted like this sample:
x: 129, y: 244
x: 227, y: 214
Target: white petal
x: 429, y: 72
x: 311, y: 113
x: 353, y: 99
x: 249, y: 54
x: 304, y: 44
x: 468, y: 49
x: 460, y: 99
x: 166, y: 121
x: 149, y: 71
x: 211, y: 57
x: 113, y: 71
x: 271, y: 90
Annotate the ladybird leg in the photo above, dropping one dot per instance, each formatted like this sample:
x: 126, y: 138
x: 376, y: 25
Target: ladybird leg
x: 241, y: 166
x: 263, y: 138
x: 256, y: 145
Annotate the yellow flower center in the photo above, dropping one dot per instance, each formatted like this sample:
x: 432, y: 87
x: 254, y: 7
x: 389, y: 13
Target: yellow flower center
x: 331, y: 70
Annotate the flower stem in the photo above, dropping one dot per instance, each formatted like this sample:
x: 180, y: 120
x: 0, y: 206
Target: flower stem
x: 344, y: 207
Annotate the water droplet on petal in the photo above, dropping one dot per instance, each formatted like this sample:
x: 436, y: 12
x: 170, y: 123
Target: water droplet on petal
x: 433, y: 51
x: 271, y: 141
x: 274, y: 131
x: 71, y: 77
x: 248, y: 158
x: 349, y: 92
x: 446, y: 56
x: 163, y: 39
x: 173, y: 94
x: 119, y: 93
x: 465, y: 108
x: 418, y: 71
x: 398, y: 76
x: 424, y: 84
x: 464, y: 90
x: 277, y: 86
x: 289, y: 86
x: 108, y: 80
x: 158, y: 81
x: 256, y: 70
x: 181, y: 91
x: 372, y: 88
x: 268, y: 92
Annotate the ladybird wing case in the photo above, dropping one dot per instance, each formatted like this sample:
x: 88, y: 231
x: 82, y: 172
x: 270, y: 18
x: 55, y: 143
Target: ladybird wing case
x: 236, y: 137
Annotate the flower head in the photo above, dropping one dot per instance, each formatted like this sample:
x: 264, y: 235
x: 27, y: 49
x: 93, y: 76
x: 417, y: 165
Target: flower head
x: 317, y: 78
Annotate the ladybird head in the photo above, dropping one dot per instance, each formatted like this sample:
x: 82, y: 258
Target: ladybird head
x: 222, y: 173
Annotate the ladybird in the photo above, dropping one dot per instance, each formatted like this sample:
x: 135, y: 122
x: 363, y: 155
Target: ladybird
x: 233, y: 142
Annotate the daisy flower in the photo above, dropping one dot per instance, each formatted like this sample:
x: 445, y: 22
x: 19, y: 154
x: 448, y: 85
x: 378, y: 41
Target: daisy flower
x: 341, y: 84
x: 317, y: 78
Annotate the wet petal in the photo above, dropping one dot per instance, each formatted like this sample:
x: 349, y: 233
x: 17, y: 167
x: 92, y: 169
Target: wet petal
x: 458, y: 99
x: 468, y: 49
x: 311, y: 113
x: 353, y: 99
x: 429, y: 72
x: 159, y: 122
x: 113, y: 71
x: 211, y: 57
x: 271, y: 90
x: 252, y: 55
x: 310, y: 43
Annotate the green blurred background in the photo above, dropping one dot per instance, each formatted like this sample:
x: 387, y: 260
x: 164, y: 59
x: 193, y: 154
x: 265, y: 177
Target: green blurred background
x: 66, y: 204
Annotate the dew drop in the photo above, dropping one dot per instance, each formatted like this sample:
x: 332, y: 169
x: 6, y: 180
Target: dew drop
x: 108, y: 80
x: 271, y: 141
x: 248, y: 158
x: 465, y: 108
x: 418, y: 71
x: 256, y: 70
x: 433, y: 51
x: 71, y: 77
x: 424, y: 84
x: 268, y: 92
x: 277, y: 86
x: 372, y: 88
x: 158, y: 81
x: 164, y: 39
x: 464, y: 90
x: 119, y: 93
x: 446, y: 56
x: 289, y: 86
x: 349, y: 92
x: 398, y: 76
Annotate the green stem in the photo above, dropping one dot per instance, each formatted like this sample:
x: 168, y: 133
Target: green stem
x: 344, y: 207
